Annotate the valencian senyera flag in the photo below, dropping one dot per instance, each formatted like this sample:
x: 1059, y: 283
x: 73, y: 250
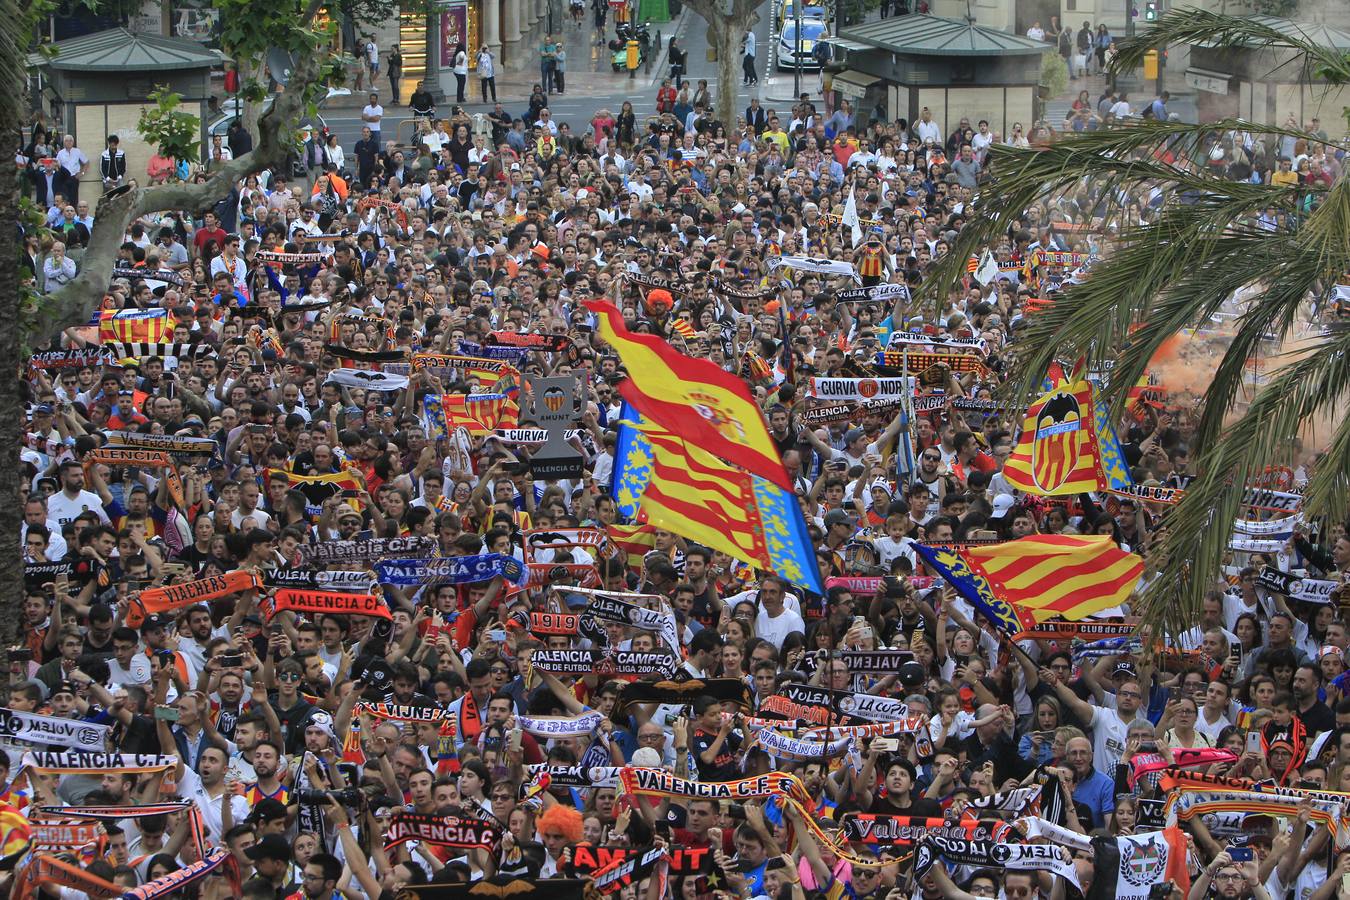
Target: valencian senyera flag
x: 147, y: 326
x: 1018, y: 583
x: 633, y: 542
x: 693, y: 398
x: 677, y: 485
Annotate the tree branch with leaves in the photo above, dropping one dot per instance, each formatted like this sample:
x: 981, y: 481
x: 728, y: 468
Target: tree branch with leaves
x: 725, y: 33
x: 77, y: 301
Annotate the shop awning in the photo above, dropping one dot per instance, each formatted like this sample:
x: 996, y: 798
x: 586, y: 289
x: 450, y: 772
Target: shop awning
x: 853, y: 84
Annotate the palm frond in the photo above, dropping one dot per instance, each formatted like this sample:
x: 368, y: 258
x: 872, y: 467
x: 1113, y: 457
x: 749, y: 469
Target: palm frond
x: 1204, y: 247
x: 1195, y: 26
x: 1199, y: 528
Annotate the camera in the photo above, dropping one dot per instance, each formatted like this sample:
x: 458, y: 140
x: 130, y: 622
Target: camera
x: 346, y: 796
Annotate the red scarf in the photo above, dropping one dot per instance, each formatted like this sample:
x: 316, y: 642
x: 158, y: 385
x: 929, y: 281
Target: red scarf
x: 469, y: 723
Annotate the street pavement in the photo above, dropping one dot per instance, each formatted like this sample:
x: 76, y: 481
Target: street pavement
x: 591, y: 84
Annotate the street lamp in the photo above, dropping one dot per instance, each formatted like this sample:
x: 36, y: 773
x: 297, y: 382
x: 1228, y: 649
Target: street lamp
x: 797, y: 49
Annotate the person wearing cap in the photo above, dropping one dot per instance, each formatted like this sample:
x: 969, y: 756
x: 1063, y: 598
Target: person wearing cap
x: 1109, y: 723
x: 271, y: 858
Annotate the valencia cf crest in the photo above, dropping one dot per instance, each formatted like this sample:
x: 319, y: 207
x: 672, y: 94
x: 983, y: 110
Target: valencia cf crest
x: 1059, y: 433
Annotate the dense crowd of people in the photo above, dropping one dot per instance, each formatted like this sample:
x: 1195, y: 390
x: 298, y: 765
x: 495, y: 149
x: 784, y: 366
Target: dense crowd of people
x: 276, y: 435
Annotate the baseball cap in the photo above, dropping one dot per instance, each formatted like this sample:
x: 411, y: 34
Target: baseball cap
x: 268, y: 809
x: 837, y: 517
x: 272, y: 846
x: 853, y: 434
x: 1003, y: 505
x: 156, y: 620
x: 43, y: 409
x: 1124, y: 668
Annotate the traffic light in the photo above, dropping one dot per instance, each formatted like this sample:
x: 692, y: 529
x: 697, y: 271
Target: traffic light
x: 1151, y: 10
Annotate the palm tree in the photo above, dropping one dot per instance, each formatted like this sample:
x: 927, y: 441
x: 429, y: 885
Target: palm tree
x: 1176, y: 272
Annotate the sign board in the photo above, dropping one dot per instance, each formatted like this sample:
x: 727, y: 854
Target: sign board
x: 554, y: 408
x: 1213, y: 82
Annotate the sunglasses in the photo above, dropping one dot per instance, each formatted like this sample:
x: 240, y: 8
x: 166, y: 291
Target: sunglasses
x: 288, y: 676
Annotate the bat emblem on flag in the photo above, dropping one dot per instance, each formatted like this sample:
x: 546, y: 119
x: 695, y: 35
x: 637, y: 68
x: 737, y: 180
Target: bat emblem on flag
x: 1055, y: 449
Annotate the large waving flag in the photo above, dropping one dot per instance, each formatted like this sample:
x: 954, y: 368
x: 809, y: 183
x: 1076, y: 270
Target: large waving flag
x: 1019, y: 583
x: 633, y: 542
x: 146, y: 326
x: 678, y: 486
x: 1057, y: 452
x: 693, y: 398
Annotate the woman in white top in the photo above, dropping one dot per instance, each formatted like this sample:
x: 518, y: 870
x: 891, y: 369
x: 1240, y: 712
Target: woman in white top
x: 461, y: 67
x: 332, y: 152
x: 1182, y: 713
x: 487, y: 73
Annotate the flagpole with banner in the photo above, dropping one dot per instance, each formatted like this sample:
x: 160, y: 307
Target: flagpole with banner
x: 850, y: 217
x: 904, y: 447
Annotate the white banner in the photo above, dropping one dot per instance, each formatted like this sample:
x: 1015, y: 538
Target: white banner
x: 917, y: 340
x: 780, y: 745
x: 1255, y: 545
x: 561, y: 726
x: 1267, y: 527
x: 817, y: 264
x: 35, y: 729
x: 529, y: 435
x: 364, y: 378
x: 861, y: 388
x: 874, y: 708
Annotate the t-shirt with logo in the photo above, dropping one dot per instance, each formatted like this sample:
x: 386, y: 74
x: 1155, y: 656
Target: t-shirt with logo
x: 723, y: 766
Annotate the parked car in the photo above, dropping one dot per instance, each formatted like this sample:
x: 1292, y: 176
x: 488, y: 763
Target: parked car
x: 788, y: 52
x: 229, y: 111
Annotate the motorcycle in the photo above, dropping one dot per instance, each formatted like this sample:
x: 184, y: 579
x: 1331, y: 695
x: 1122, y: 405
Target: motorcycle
x: 619, y: 46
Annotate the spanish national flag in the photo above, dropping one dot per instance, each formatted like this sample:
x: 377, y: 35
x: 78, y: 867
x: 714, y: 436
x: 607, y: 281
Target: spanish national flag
x: 1019, y: 583
x: 1057, y: 454
x: 694, y: 398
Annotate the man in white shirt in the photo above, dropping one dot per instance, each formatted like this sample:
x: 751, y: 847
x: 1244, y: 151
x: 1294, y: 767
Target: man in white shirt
x: 205, y: 788
x: 775, y: 621
x: 71, y: 164
x: 982, y: 140
x: 1213, y: 717
x: 371, y: 115
x: 127, y: 666
x: 926, y: 130
x: 73, y: 499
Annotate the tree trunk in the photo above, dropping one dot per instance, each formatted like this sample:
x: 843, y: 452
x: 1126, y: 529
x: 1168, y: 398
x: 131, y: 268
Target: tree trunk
x: 728, y: 44
x: 13, y: 40
x: 250, y: 111
x: 724, y: 35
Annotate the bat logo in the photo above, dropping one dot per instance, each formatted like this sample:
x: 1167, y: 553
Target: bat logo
x: 554, y: 399
x: 1056, y: 447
